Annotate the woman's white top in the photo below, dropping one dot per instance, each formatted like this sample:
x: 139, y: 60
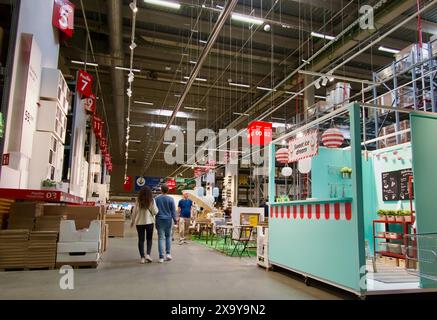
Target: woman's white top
x: 144, y: 216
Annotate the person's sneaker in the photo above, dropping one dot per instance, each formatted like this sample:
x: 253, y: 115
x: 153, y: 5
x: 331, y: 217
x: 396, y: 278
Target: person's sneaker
x: 169, y: 258
x: 161, y: 260
x: 148, y: 258
x: 181, y: 241
x: 143, y: 261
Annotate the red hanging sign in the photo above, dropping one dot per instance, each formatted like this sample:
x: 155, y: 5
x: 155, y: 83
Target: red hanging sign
x: 84, y: 83
x: 63, y: 17
x: 103, y: 144
x: 171, y: 184
x: 5, y: 160
x: 127, y: 185
x: 259, y: 133
x: 90, y: 103
x: 98, y: 127
x: 109, y: 167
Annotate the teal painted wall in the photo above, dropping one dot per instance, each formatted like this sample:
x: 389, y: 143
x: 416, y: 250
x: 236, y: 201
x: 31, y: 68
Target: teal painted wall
x: 327, y: 181
x: 322, y: 248
x: 424, y: 149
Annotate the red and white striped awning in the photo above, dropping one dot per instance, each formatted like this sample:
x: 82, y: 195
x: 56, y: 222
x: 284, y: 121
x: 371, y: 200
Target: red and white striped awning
x: 324, y: 211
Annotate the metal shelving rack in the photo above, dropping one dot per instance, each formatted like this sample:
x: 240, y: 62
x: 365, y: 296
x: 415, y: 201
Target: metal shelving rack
x: 414, y: 71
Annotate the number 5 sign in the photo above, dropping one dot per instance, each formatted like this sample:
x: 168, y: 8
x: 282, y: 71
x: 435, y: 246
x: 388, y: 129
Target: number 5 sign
x: 63, y: 16
x: 84, y: 83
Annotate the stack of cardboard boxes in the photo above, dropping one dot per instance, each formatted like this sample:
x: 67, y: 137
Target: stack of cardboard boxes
x: 23, y: 214
x: 13, y: 248
x: 5, y: 207
x: 115, y: 223
x: 42, y: 249
x: 391, y: 141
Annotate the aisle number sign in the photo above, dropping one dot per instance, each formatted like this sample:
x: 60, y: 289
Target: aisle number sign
x: 304, y: 147
x: 259, y: 133
x: 84, y: 83
x: 89, y: 103
x: 63, y: 16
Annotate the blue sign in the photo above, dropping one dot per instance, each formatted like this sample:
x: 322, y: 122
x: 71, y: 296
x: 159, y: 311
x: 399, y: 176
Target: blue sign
x: 140, y: 182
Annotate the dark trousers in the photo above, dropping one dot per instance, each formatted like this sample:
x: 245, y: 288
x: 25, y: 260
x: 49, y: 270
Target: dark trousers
x: 145, y: 230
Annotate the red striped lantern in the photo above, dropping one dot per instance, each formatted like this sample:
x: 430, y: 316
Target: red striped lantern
x: 332, y: 138
x: 283, y: 155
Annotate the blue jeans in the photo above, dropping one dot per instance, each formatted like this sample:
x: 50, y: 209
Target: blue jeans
x: 164, y: 234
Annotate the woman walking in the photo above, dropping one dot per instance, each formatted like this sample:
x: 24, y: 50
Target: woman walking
x: 144, y: 218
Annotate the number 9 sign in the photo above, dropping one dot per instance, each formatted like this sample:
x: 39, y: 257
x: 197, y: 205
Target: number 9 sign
x: 90, y: 103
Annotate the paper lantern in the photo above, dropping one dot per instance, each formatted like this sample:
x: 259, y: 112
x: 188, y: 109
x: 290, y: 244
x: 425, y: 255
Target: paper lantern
x: 332, y: 138
x: 283, y: 155
x: 304, y: 166
x: 286, y: 171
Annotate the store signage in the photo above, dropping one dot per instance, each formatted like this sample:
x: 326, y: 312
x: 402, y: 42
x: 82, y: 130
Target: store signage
x: 103, y: 145
x: 84, y: 83
x: 89, y: 103
x: 171, y: 184
x: 140, y: 182
x: 395, y: 185
x: 89, y: 203
x: 97, y: 127
x: 5, y: 160
x: 127, y: 186
x: 304, y: 147
x: 259, y: 133
x: 63, y: 16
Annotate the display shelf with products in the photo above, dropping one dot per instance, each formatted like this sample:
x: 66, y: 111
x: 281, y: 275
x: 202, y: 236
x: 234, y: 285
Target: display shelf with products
x: 55, y: 88
x: 392, y: 239
x: 51, y: 118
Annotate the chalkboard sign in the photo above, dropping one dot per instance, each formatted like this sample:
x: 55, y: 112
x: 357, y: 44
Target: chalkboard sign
x: 390, y: 186
x: 395, y: 185
x: 403, y: 185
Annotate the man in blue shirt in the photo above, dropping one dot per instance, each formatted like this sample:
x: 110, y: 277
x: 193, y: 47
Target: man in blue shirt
x: 184, y: 209
x: 166, y: 213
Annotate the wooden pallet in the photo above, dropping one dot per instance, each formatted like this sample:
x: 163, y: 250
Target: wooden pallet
x: 79, y: 265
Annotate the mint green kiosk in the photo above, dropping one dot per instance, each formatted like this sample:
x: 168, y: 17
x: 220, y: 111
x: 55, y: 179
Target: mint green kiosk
x: 329, y: 237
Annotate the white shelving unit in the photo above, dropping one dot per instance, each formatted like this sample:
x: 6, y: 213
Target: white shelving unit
x: 51, y: 118
x: 55, y: 88
x: 47, y: 159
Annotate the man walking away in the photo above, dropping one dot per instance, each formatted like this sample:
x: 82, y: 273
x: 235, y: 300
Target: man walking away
x: 184, y: 209
x: 166, y: 213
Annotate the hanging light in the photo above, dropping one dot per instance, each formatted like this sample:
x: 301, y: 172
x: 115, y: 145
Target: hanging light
x: 332, y: 138
x: 286, y: 171
x: 283, y: 155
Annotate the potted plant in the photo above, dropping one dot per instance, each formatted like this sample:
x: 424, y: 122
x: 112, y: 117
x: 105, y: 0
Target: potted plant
x: 391, y: 215
x: 48, y: 184
x: 382, y: 215
x: 399, y: 216
x: 408, y: 217
x: 346, y: 172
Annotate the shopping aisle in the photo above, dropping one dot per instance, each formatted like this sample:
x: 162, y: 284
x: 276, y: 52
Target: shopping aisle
x: 195, y: 273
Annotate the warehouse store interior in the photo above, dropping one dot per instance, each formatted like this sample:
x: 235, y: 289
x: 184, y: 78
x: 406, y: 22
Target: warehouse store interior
x: 283, y: 149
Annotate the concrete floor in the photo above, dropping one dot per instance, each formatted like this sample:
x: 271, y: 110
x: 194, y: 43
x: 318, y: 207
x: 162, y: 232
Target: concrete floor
x: 196, y: 273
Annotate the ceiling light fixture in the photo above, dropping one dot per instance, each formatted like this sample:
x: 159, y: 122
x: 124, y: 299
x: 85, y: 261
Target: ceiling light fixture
x: 325, y: 81
x: 133, y: 45
x: 241, y: 114
x: 390, y: 50
x: 203, y: 41
x: 321, y: 35
x: 144, y: 102
x: 265, y: 89
x: 194, y: 108
x: 167, y: 4
x: 83, y: 63
x: 198, y: 79
x: 127, y: 69
x: 193, y: 62
x: 317, y: 84
x: 239, y: 85
x: 133, y: 7
x: 248, y: 19
x: 219, y: 7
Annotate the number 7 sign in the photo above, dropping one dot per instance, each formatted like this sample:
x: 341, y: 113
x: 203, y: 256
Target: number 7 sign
x: 84, y: 83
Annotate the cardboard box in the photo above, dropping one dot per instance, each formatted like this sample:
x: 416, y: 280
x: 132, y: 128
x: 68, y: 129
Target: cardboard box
x: 55, y: 210
x: 392, y: 261
x: 116, y: 228
x: 402, y: 263
x: 27, y: 209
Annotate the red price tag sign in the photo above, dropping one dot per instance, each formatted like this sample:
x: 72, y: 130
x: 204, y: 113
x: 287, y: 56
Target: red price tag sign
x: 90, y: 103
x: 84, y: 83
x: 259, y: 133
x: 63, y: 16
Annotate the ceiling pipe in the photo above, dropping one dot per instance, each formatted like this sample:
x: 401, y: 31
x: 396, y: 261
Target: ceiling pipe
x: 202, y: 58
x: 115, y: 22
